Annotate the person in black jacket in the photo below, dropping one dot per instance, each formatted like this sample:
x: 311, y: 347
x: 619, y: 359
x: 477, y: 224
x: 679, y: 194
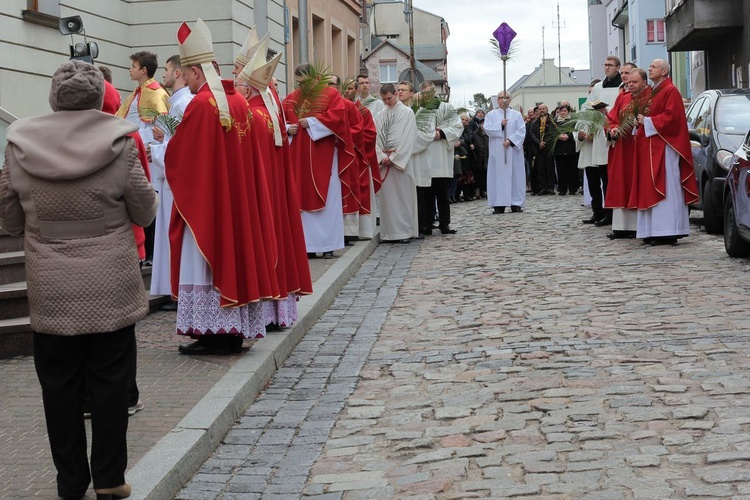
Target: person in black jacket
x: 566, y: 156
x: 543, y: 131
x: 480, y: 148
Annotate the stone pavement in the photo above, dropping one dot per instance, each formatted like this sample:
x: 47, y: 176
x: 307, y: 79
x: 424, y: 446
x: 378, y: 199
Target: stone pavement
x: 526, y: 355
x: 171, y: 385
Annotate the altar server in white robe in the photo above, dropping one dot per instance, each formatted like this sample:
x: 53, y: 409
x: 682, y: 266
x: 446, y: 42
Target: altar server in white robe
x: 397, y: 134
x: 506, y: 172
x: 180, y: 98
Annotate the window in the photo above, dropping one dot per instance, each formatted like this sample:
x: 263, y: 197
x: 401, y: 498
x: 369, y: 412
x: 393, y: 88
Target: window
x: 388, y: 73
x: 49, y: 7
x: 44, y: 12
x: 655, y: 31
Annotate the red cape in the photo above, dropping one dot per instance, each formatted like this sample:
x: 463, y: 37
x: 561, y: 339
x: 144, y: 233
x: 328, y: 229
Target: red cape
x: 668, y: 116
x: 221, y: 196
x: 371, y: 137
x: 620, y: 159
x: 292, y: 269
x: 313, y: 159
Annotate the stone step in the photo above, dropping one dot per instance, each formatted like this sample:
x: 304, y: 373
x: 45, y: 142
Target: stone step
x: 12, y: 268
x: 15, y: 329
x: 10, y: 243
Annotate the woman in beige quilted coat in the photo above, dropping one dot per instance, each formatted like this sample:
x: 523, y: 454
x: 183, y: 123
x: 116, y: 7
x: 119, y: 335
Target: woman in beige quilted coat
x: 72, y: 183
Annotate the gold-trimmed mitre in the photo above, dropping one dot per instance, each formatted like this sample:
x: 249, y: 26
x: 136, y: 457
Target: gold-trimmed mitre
x: 196, y: 49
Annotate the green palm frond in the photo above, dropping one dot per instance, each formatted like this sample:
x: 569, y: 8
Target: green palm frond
x: 368, y: 100
x: 445, y: 115
x: 168, y: 123
x: 495, y: 49
x: 387, y: 141
x: 310, y: 98
x: 425, y: 112
x: 589, y: 121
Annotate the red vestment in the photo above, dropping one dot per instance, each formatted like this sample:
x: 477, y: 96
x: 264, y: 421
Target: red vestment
x: 313, y: 159
x: 667, y: 114
x: 620, y: 158
x: 110, y: 105
x: 370, y: 135
x: 221, y: 196
x: 351, y: 196
x: 292, y: 269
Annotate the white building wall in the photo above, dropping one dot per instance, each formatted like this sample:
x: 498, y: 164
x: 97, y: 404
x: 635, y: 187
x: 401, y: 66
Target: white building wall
x: 598, y: 32
x: 31, y: 52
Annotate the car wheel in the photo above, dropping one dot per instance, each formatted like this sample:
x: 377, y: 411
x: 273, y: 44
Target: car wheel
x: 733, y: 242
x: 711, y: 220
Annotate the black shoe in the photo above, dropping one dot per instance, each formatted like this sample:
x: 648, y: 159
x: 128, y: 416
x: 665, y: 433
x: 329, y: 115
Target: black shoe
x: 312, y: 255
x: 169, y: 306
x: 199, y: 348
x: 420, y: 237
x: 562, y: 193
x: 328, y: 255
x: 515, y: 209
x: 448, y: 230
x: 621, y: 235
x: 664, y: 240
x: 647, y: 241
x: 498, y: 210
x: 426, y: 232
x: 592, y: 220
x: 606, y: 221
x: 349, y: 240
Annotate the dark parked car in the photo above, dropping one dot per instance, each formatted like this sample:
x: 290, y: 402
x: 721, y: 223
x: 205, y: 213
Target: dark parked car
x: 737, y: 202
x: 717, y: 121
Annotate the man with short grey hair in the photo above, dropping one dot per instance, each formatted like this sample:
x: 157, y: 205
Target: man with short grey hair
x: 506, y: 171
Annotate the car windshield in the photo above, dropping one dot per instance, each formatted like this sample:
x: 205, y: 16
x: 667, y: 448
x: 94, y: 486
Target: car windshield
x: 733, y: 114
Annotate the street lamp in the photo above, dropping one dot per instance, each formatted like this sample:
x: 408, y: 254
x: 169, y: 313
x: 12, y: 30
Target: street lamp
x: 81, y: 51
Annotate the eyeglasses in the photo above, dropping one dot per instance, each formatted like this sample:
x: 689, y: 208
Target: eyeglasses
x: 608, y: 65
x: 503, y: 98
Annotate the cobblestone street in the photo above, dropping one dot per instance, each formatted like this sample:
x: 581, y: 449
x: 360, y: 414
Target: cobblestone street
x: 527, y: 355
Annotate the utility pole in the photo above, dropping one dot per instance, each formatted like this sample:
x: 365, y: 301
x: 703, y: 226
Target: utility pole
x: 559, y: 49
x: 544, y: 68
x: 409, y: 14
x: 304, y: 33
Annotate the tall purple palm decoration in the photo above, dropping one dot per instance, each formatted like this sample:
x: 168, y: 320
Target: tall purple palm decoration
x: 504, y: 35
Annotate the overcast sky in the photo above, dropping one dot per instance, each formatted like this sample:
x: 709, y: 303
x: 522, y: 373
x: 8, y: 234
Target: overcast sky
x: 473, y: 68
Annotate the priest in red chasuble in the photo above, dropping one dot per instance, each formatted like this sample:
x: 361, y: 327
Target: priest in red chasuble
x: 322, y: 153
x: 292, y: 269
x: 223, y: 250
x: 666, y: 179
x: 621, y: 158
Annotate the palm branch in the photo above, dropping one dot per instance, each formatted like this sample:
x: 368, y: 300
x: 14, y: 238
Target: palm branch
x: 386, y: 141
x: 589, y: 121
x: 310, y: 100
x: 425, y: 111
x: 168, y: 123
x: 495, y: 49
x: 368, y: 100
x: 627, y: 118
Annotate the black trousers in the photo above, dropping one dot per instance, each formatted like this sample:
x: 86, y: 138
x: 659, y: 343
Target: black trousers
x: 544, y: 165
x: 597, y: 181
x: 65, y: 365
x: 424, y: 200
x: 440, y: 187
x: 567, y: 173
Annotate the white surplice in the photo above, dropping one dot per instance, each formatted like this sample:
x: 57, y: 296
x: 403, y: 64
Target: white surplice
x: 398, y: 194
x: 670, y: 217
x: 324, y: 229
x: 160, y: 280
x: 506, y: 178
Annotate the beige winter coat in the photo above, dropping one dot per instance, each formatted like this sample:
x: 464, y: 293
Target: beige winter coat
x: 72, y: 182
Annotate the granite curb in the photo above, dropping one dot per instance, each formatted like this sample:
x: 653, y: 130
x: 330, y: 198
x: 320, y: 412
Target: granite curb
x: 170, y: 464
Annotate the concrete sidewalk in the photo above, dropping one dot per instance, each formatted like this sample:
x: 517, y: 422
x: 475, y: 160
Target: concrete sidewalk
x: 191, y: 402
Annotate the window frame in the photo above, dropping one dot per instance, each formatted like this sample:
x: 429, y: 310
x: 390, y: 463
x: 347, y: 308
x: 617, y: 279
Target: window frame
x: 388, y: 64
x: 653, y: 28
x: 32, y: 14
